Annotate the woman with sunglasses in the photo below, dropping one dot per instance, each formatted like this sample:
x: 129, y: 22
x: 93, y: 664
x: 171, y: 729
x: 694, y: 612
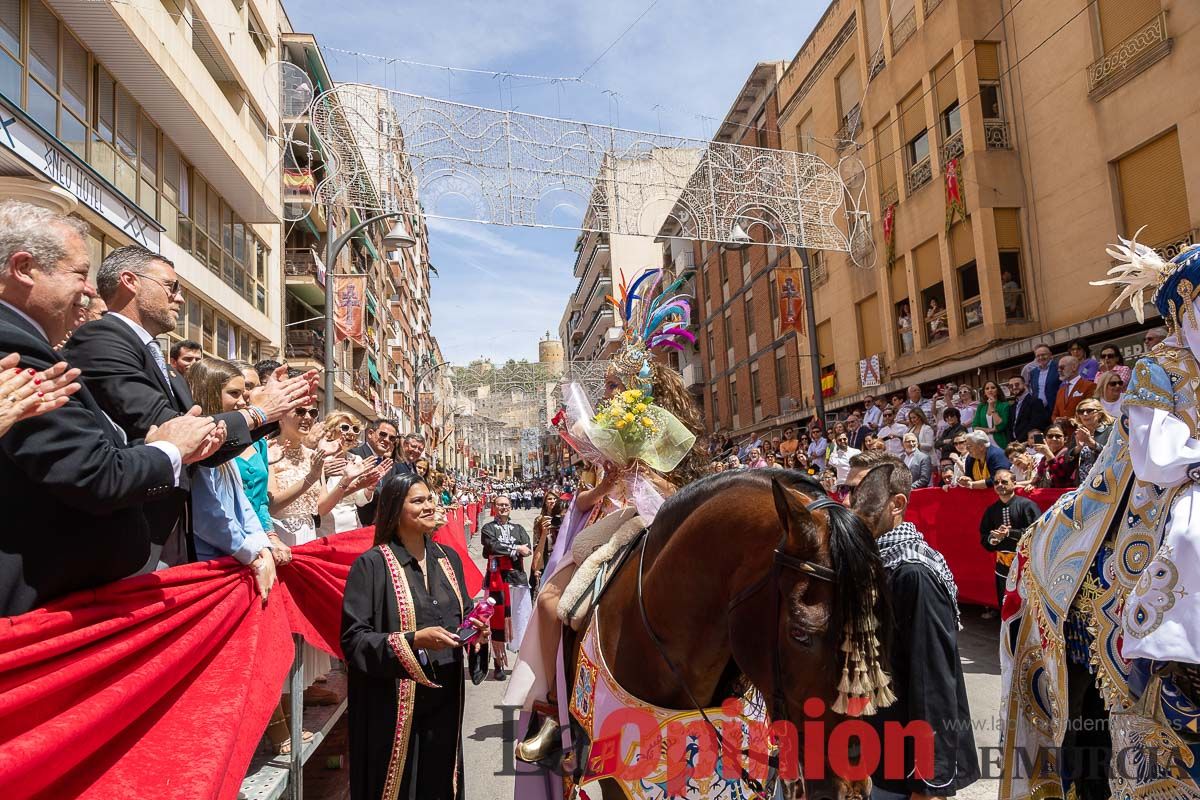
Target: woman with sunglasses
x: 1059, y: 464
x: 1093, y: 427
x: 1110, y: 387
x: 350, y: 480
x: 1088, y: 366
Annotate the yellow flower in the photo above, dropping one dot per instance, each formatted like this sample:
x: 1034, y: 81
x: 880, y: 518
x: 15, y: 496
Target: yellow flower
x: 631, y: 395
x: 628, y: 417
x: 646, y: 421
x: 640, y: 408
x: 620, y: 424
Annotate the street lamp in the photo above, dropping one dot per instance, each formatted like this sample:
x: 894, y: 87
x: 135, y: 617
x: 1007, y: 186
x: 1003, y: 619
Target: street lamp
x: 740, y: 240
x: 397, y: 237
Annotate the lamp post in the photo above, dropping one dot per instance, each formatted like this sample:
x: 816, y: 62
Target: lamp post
x: 397, y: 237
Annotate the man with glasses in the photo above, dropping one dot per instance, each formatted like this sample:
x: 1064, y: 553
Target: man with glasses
x: 382, y: 436
x: 125, y: 370
x: 891, y: 433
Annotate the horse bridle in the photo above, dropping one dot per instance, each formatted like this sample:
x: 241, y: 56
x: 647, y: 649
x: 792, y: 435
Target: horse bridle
x: 780, y: 561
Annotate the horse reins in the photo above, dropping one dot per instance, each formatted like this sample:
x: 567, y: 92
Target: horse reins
x: 780, y: 561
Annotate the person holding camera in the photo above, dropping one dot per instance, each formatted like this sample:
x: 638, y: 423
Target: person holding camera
x: 545, y: 529
x: 1004, y: 523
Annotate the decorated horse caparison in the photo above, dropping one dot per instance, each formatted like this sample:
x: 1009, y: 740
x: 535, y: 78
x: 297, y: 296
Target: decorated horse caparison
x: 746, y: 580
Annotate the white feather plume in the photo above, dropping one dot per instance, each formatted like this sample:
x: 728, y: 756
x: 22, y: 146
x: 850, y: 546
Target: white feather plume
x: 1139, y: 270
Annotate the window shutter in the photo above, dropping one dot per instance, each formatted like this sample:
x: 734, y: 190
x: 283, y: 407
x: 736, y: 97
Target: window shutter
x: 1153, y: 192
x: 848, y: 91
x: 1120, y: 19
x: 873, y: 25
x: 929, y: 264
x: 1008, y: 228
x: 899, y: 280
x: 885, y: 143
x: 869, y: 333
x: 912, y: 114
x: 962, y: 243
x: 825, y: 342
x: 945, y: 86
x: 987, y: 61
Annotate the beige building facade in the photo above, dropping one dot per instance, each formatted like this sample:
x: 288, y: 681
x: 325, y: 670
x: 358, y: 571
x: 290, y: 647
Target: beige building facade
x: 152, y: 122
x: 1067, y: 130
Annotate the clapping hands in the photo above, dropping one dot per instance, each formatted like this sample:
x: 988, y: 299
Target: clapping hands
x: 26, y: 393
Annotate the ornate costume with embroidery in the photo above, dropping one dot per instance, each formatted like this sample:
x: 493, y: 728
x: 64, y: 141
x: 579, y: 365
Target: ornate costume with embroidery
x: 1112, y: 572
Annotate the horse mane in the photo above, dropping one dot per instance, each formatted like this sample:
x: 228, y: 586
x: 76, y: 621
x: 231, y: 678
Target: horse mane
x: 852, y: 551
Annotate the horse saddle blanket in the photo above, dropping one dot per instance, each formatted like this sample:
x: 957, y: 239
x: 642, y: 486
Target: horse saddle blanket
x: 594, y: 550
x: 686, y: 763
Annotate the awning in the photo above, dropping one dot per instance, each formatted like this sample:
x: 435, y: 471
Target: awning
x: 354, y: 220
x: 371, y: 368
x: 371, y: 303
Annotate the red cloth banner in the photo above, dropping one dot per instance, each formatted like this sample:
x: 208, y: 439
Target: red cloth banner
x: 791, y: 299
x: 950, y: 522
x: 161, y: 685
x: 349, y: 307
x: 955, y: 204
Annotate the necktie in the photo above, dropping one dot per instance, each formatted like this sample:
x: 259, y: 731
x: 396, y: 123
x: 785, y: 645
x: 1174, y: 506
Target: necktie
x: 156, y: 351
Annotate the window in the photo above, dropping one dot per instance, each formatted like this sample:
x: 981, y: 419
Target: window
x: 918, y: 148
x: 804, y: 134
x: 951, y: 120
x: 721, y: 254
x: 728, y: 331
x: 870, y: 336
x: 748, y: 316
x: 989, y: 101
x: 716, y: 407
x: 744, y: 259
x: 733, y: 398
x: 712, y: 350
x: 755, y: 398
x: 968, y: 290
x: 781, y: 374
x: 1121, y: 19
x: 1153, y: 193
x: 1008, y: 242
x: 933, y: 301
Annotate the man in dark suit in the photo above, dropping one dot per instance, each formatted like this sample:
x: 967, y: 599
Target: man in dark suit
x: 124, y: 368
x: 1028, y: 413
x: 381, y: 438
x: 70, y: 485
x: 1041, y: 376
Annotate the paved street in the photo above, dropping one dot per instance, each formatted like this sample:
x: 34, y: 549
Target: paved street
x: 486, y: 748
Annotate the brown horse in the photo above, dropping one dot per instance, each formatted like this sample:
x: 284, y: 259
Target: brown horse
x: 744, y: 576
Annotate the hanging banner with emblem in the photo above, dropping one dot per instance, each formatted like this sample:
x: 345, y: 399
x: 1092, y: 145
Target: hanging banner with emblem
x: 349, y: 307
x: 955, y: 204
x: 426, y: 405
x: 828, y: 381
x: 791, y: 299
x: 870, y: 371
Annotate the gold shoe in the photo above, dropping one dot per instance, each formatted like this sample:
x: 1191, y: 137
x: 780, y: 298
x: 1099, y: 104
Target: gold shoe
x: 538, y: 746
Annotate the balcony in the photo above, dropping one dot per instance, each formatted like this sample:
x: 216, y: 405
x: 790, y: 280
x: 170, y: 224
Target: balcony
x: 995, y: 134
x: 1130, y: 57
x: 919, y: 174
x: 953, y: 147
x: 889, y: 197
x: 931, y: 6
x: 1177, y: 244
x: 305, y: 343
x: 903, y: 30
x: 851, y: 124
x: 301, y: 276
x: 877, y: 63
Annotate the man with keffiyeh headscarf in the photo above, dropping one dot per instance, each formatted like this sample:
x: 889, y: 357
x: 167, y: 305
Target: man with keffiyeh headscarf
x: 926, y: 672
x: 1102, y: 617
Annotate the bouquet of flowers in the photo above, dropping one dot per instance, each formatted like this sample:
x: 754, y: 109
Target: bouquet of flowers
x: 630, y: 413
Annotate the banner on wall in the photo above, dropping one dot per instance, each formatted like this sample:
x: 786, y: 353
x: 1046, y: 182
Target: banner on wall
x: 889, y: 233
x: 791, y: 299
x: 870, y: 371
x: 349, y: 307
x: 828, y: 381
x: 426, y: 405
x: 955, y: 204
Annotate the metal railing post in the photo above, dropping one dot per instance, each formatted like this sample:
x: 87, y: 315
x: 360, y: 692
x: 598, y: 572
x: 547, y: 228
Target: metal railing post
x: 296, y: 684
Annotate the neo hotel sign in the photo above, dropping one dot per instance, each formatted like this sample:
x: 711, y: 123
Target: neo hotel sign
x: 57, y: 163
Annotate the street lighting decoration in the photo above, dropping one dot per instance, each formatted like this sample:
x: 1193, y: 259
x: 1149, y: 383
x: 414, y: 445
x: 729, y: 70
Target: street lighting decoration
x: 399, y: 237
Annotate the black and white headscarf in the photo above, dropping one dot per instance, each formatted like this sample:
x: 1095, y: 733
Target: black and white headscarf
x: 906, y: 544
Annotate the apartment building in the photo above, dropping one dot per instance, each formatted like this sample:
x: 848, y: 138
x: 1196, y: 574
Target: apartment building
x: 151, y: 122
x: 375, y: 373
x: 1066, y: 132
x: 589, y: 329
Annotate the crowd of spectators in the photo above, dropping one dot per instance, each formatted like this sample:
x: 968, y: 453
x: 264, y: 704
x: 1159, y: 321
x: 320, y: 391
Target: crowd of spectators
x: 1044, y: 425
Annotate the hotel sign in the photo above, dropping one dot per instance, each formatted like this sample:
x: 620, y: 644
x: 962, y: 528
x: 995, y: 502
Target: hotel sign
x: 57, y: 163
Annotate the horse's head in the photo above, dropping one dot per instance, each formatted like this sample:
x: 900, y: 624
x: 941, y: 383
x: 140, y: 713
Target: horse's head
x: 825, y: 593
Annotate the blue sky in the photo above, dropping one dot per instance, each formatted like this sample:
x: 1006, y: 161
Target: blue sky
x: 500, y: 289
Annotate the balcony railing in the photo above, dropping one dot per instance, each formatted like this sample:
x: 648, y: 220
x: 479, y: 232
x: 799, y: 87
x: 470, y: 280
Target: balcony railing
x: 888, y: 197
x: 1177, y: 244
x: 919, y: 174
x: 299, y: 263
x: 953, y: 147
x: 995, y: 134
x: 903, y: 30
x: 877, y: 63
x: 850, y: 127
x: 305, y: 343
x: 1147, y: 45
x: 930, y: 5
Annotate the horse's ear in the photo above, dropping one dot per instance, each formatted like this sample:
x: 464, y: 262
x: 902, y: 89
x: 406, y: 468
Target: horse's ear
x: 793, y: 515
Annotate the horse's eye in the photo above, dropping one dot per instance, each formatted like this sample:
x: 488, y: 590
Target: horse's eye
x: 801, y: 636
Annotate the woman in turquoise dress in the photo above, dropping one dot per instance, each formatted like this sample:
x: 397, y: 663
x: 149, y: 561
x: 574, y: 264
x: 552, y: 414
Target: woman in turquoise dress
x: 255, y: 468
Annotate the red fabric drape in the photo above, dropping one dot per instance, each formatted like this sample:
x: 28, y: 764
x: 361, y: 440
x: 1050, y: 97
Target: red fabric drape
x: 160, y: 686
x: 950, y: 522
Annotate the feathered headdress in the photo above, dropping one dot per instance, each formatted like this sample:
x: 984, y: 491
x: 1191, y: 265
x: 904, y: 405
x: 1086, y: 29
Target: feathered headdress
x: 654, y: 315
x: 1140, y: 269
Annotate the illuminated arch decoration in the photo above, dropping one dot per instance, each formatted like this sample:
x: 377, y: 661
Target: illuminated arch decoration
x: 388, y: 148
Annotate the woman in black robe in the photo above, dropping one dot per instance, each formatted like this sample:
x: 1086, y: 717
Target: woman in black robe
x: 405, y: 598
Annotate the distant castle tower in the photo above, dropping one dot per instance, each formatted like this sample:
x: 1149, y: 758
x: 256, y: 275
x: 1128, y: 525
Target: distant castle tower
x: 550, y: 354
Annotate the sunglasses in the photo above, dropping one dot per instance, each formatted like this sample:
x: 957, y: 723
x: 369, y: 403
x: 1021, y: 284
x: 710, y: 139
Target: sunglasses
x: 1116, y: 383
x: 1054, y: 436
x: 385, y: 435
x: 346, y: 427
x: 1108, y: 355
x: 306, y: 412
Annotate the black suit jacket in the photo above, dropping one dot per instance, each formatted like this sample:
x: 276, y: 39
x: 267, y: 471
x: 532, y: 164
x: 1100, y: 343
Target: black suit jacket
x: 71, y: 492
x: 121, y: 374
x: 1032, y: 414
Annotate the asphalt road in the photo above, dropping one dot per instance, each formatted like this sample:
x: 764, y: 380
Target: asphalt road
x: 487, y: 745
